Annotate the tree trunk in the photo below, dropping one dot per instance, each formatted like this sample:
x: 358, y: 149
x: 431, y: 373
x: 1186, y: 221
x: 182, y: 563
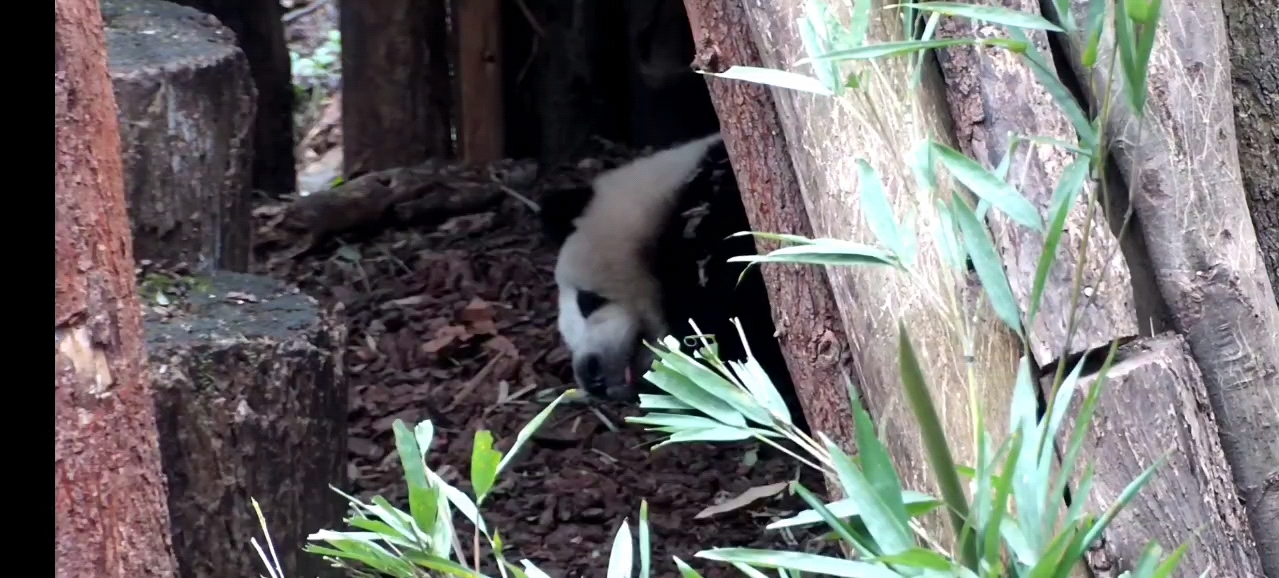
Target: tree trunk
x: 185, y: 104
x: 1199, y: 233
x: 1253, y: 28
x: 259, y: 26
x: 804, y: 312
x: 481, y: 129
x: 110, y: 518
x: 825, y: 137
x: 396, y: 93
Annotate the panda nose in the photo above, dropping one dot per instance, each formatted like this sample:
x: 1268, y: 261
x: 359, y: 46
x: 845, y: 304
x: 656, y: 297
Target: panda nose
x: 591, y: 377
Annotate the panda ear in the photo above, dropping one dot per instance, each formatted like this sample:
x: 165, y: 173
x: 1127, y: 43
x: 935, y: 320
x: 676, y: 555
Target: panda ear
x: 559, y: 210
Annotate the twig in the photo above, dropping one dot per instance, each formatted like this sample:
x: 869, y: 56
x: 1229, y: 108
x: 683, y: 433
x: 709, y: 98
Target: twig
x: 303, y: 11
x: 532, y: 22
x: 512, y: 192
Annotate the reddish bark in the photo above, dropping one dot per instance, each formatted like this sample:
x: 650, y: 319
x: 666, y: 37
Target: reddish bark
x: 110, y: 515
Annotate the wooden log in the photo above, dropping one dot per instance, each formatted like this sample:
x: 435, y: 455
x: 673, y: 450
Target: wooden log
x: 1202, y: 244
x: 825, y: 136
x: 397, y: 99
x: 808, y: 325
x: 251, y: 402
x: 1191, y: 497
x: 1253, y: 31
x: 109, y: 513
x: 479, y: 77
x: 186, y: 105
x: 259, y: 26
x: 994, y: 96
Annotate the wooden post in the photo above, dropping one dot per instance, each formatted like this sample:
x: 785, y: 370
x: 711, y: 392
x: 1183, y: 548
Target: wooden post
x: 110, y: 517
x: 479, y: 75
x: 396, y: 95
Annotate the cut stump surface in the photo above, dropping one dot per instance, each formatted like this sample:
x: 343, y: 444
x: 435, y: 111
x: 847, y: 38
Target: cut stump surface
x: 186, y: 105
x: 251, y: 401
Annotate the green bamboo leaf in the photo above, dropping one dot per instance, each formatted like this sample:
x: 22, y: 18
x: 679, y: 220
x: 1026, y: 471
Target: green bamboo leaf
x: 889, y: 49
x: 918, y: 558
x: 798, y: 561
x: 484, y: 461
x: 859, y: 544
x: 987, y: 186
x: 422, y: 497
x: 891, y: 533
x: 714, y: 384
x: 827, y: 72
x: 685, y: 571
x: 992, y: 14
x: 1096, y: 24
x: 528, y: 430
x: 684, y: 389
x: 990, y: 270
x: 825, y: 252
x: 917, y: 505
x: 773, y: 77
x: 621, y: 560
x: 879, y: 213
x: 876, y: 464
x: 1121, y: 502
x: 860, y: 22
x: 1063, y: 201
x: 939, y: 457
x: 1165, y: 569
x: 645, y: 543
x: 1046, y: 74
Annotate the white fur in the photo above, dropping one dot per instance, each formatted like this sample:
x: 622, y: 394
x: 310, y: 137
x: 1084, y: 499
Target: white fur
x: 631, y: 204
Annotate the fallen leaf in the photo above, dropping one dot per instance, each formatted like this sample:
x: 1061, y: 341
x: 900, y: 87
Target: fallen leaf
x: 504, y: 346
x: 742, y: 500
x: 477, y: 311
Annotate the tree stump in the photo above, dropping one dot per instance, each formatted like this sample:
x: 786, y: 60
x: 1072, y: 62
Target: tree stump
x: 251, y: 402
x: 186, y: 106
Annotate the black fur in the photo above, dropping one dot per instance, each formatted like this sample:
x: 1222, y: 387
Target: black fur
x: 707, y: 291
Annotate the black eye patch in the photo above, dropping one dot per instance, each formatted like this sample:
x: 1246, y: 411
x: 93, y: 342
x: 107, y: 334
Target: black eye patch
x: 589, y: 301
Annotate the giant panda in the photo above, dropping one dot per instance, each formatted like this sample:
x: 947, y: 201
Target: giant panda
x: 642, y: 249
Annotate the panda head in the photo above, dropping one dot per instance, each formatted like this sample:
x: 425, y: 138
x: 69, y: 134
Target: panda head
x: 610, y: 291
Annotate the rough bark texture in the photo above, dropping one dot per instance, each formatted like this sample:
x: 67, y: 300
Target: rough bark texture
x: 804, y: 313
x: 186, y: 102
x: 1253, y: 28
x: 1191, y: 498
x: 251, y: 402
x: 994, y: 95
x: 825, y: 137
x: 479, y: 77
x: 110, y: 518
x: 259, y: 26
x: 1202, y: 245
x: 396, y: 93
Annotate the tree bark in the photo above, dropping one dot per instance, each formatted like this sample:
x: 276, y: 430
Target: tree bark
x: 110, y: 517
x: 259, y: 26
x: 186, y: 100
x: 481, y: 128
x: 1199, y: 233
x: 251, y: 403
x: 804, y: 312
x: 396, y: 93
x: 1191, y: 498
x: 994, y: 96
x: 1253, y: 30
x: 825, y: 137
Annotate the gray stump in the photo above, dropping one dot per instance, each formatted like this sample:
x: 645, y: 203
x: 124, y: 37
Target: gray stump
x: 186, y: 103
x: 251, y: 402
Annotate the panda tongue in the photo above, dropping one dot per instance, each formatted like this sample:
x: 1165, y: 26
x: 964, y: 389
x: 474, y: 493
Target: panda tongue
x: 629, y: 379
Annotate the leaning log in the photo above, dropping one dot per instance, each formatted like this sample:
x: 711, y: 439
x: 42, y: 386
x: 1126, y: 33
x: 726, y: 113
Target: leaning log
x: 809, y: 329
x: 251, y: 403
x: 186, y: 105
x: 1194, y: 214
x: 1191, y: 498
x: 825, y: 137
x: 995, y: 97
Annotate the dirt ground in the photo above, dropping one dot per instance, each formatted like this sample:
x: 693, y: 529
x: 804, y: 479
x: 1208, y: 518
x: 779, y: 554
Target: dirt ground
x: 456, y: 324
